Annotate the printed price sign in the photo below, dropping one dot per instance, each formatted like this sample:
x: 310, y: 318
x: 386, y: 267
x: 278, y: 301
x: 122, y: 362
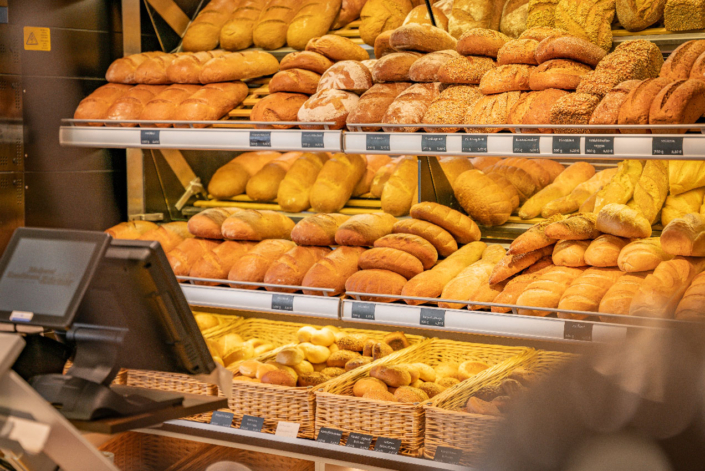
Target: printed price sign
x: 448, y: 455
x: 359, y: 440
x: 433, y: 317
x: 251, y: 423
x: 282, y: 302
x: 313, y: 140
x: 363, y: 311
x: 329, y: 435
x: 149, y: 138
x: 222, y: 419
x: 260, y: 139
x: 577, y: 331
x: 287, y: 429
x: 475, y: 144
x: 566, y: 145
x: 667, y: 146
x: 599, y: 145
x: 526, y: 145
x: 379, y: 142
x: 388, y: 445
x: 433, y: 143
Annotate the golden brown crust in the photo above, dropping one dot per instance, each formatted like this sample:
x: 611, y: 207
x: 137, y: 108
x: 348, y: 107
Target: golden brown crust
x: 680, y: 102
x: 587, y: 19
x: 518, y: 51
x: 295, y: 81
x: 506, y: 78
x: 558, y: 73
x: 483, y: 199
x: 574, y: 227
x: 437, y: 236
x: 337, y: 48
x: 306, y: 60
x: 376, y: 282
x: 535, y: 108
x: 481, y: 42
x: 465, y: 70
x: 394, y: 260
x: 491, y: 109
x: 412, y: 244
x: 569, y: 47
x: 422, y: 38
x: 576, y: 108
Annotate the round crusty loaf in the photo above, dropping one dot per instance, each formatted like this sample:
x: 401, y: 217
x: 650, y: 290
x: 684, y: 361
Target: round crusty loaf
x: 607, y: 112
x: 410, y: 395
x: 450, y: 107
x: 569, y: 47
x: 491, y: 109
x: 278, y: 107
x: 465, y: 70
x: 385, y: 258
x: 394, y: 67
x: 439, y: 237
x: 376, y: 282
x: 382, y: 46
x: 295, y: 81
x: 421, y: 38
x: 535, y: 108
x: 328, y: 105
x: 574, y: 108
x: 634, y: 17
x: 461, y: 227
x: 425, y: 68
x: 506, y: 78
x: 636, y: 107
x: 481, y: 42
x: 680, y: 102
x: 542, y: 32
x: 337, y: 48
x: 396, y: 340
x: 558, y: 73
x: 346, y: 75
x: 482, y: 198
x: 306, y: 60
x: 412, y: 244
x: 519, y: 51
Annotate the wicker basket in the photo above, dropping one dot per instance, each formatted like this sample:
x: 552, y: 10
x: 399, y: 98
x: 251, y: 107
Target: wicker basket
x: 337, y: 407
x: 225, y: 323
x: 144, y: 452
x: 448, y: 425
x: 254, y: 460
x: 276, y: 403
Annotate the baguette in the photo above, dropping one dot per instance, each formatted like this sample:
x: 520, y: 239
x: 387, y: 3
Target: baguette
x: 163, y: 106
x: 318, y: 229
x: 250, y: 224
x: 400, y: 189
x: 210, y: 103
x: 231, y: 179
x: 570, y: 253
x: 216, y: 263
x: 572, y: 202
x: 679, y: 205
x: 207, y: 224
x: 398, y: 261
x: 333, y: 270
x: 153, y: 70
x: 604, y: 251
x: 131, y: 230
x: 691, y: 306
x: 203, y: 34
x: 381, y: 178
x: 290, y: 268
x: 685, y: 236
x: 621, y: 187
x: 430, y: 284
x: 236, y: 33
x: 336, y: 182
x: 186, y: 68
x: 661, y: 291
x: 130, y: 105
x: 313, y: 20
x: 264, y: 185
x: 271, y: 28
x: 364, y: 229
x: 642, y: 255
x: 239, y: 66
x: 374, y: 163
x: 376, y: 282
x: 122, y: 70
x: 253, y: 266
x: 188, y: 252
x: 466, y: 284
x: 97, y: 104
x: 411, y: 244
x: 563, y: 185
x: 619, y: 296
x: 461, y: 227
x: 586, y: 292
x: 482, y: 198
x: 534, y: 238
x: 438, y: 237
x: 168, y: 235
x: 546, y: 291
x: 510, y: 265
x: 574, y: 227
x: 295, y: 189
x: 651, y: 189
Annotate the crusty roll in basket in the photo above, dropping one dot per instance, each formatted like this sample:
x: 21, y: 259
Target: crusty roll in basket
x: 447, y: 423
x: 338, y: 408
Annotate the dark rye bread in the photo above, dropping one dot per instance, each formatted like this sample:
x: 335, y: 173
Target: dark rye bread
x: 575, y: 108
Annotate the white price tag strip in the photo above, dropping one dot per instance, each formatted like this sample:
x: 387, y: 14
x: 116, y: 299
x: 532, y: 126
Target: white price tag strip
x: 287, y: 429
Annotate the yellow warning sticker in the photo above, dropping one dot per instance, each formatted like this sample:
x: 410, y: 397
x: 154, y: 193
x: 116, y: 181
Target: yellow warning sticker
x: 37, y: 39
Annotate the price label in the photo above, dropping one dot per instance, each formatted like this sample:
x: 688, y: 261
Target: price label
x: 388, y: 445
x: 251, y: 423
x: 378, y: 142
x: 433, y: 143
x: 599, y: 145
x: 475, y: 144
x: 149, y: 138
x: 577, y: 331
x: 313, y: 140
x: 433, y: 317
x: 329, y: 435
x: 566, y: 145
x: 445, y: 454
x: 287, y: 429
x: 526, y: 145
x: 667, y: 146
x: 222, y: 419
x: 359, y: 440
x: 363, y: 311
x: 260, y: 139
x: 282, y: 302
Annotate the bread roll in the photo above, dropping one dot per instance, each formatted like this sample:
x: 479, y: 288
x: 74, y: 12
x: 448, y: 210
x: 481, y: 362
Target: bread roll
x: 333, y: 271
x: 466, y: 284
x: 374, y: 103
x: 271, y: 28
x: 411, y: 244
x: 210, y: 103
x: 317, y: 229
x: 364, y: 229
x: 231, y: 179
x: 587, y: 19
x: 250, y: 224
x: 327, y: 106
x: 587, y: 290
x: 97, y: 104
x: 336, y: 182
x: 430, y: 284
x: 217, y: 263
x: 642, y: 255
x: 295, y: 189
x: 570, y: 253
x: 313, y: 20
x: 187, y: 253
x: 421, y: 38
x: 131, y: 230
x: 691, y: 305
x: 399, y: 191
x: 621, y: 187
x: 410, y: 106
x: 203, y: 33
x: 579, y: 195
x: 438, y: 237
x: 349, y: 12
x: 337, y: 48
x: 207, y: 224
x: 253, y: 266
x: 604, y: 251
x: 374, y: 163
x: 468, y: 14
x: 619, y: 296
x: 482, y: 198
x: 375, y: 282
x: 426, y: 68
x: 682, y: 204
x: 239, y: 66
x: 564, y: 184
x: 306, y: 60
x: 291, y: 267
x: 382, y: 15
x: 534, y: 238
x: 512, y: 264
x: 163, y: 106
x: 236, y: 33
x: 547, y: 290
x: 685, y: 236
x: 394, y: 260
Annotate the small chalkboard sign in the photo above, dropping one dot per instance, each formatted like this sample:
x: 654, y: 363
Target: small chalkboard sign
x: 329, y: 435
x: 359, y: 440
x: 251, y: 423
x: 526, y: 145
x: 599, y: 145
x: 388, y: 445
x: 475, y: 144
x: 377, y: 142
x: 313, y: 140
x: 282, y: 302
x: 433, y: 317
x: 667, y: 146
x: 566, y: 145
x: 577, y: 331
x: 222, y: 419
x: 445, y: 454
x: 260, y: 139
x: 150, y: 138
x: 364, y: 311
x: 431, y: 143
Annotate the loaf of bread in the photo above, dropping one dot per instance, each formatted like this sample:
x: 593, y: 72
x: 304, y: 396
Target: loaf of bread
x: 295, y: 189
x: 685, y: 236
x: 306, y: 60
x: 690, y: 306
x: 163, y: 106
x: 231, y: 179
x: 131, y: 230
x: 684, y: 15
x: 250, y: 224
x: 382, y: 46
x: 412, y: 244
x: 513, y: 289
x: 236, y: 33
x: 153, y: 70
x: 514, y: 17
x: 622, y: 221
x: 381, y: 178
x: 397, y: 261
x: 437, y: 236
x: 468, y: 14
x: 290, y: 268
x: 382, y: 15
x: 563, y: 185
x: 635, y: 17
x: 328, y: 106
x: 374, y: 163
x: 376, y: 282
x: 569, y: 47
x: 661, y: 291
x: 619, y: 296
x: 264, y: 185
x: 604, y: 251
x: 122, y: 70
x: 453, y: 167
x: 546, y: 291
x: 207, y: 224
x: 374, y: 103
x: 607, y: 112
x: 481, y: 42
x: 680, y: 62
x: 466, y: 284
x: 450, y: 107
x: 239, y: 66
x: 572, y: 202
x: 518, y: 51
x: 216, y: 263
x: 542, y: 15
x: 680, y: 205
x: 586, y: 292
x: 203, y: 33
x: 536, y: 172
x: 482, y: 198
x: 535, y: 108
x: 168, y: 235
x: 575, y: 108
x: 253, y: 266
x: 642, y: 255
x: 186, y: 68
x: 425, y: 68
x: 508, y: 188
x: 636, y: 107
x: 570, y: 253
x: 685, y: 175
x: 318, y: 229
x: 506, y: 78
x: 364, y: 229
x: 465, y: 70
x: 680, y: 102
x: 574, y: 227
x: 337, y: 48
x: 399, y: 191
x: 522, y: 180
x: 295, y: 81
x: 491, y: 109
x: 534, y: 238
x: 130, y: 105
x: 651, y: 189
x: 271, y: 28
x: 430, y: 284
x: 461, y: 227
x: 421, y: 38
x: 188, y: 252
x: 419, y: 15
x: 410, y: 106
x: 97, y: 104
x: 587, y: 19
x: 349, y: 12
x: 558, y: 73
x: 510, y: 265
x: 278, y: 107
x: 336, y: 182
x: 621, y: 187
x: 333, y: 270
x: 394, y: 67
x: 210, y: 103
x: 483, y: 163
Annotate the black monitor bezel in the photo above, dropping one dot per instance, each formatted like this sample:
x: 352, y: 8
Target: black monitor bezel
x: 102, y: 242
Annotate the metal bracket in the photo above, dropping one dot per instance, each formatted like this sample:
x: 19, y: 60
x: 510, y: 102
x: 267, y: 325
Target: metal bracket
x: 195, y: 188
x: 172, y: 14
x: 147, y: 217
